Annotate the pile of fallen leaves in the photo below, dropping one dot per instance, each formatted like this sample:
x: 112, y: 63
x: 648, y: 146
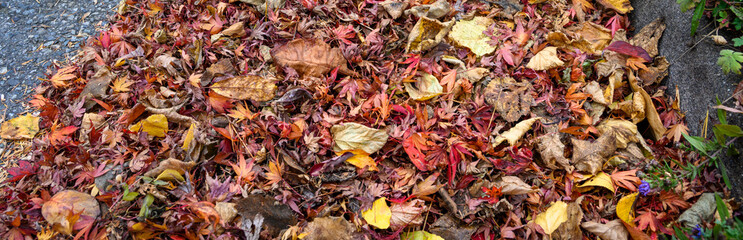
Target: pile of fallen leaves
x: 253, y: 119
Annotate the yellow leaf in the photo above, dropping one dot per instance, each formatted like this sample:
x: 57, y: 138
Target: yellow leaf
x: 155, y: 125
x: 23, y: 127
x: 379, y: 215
x: 360, y: 159
x: 551, y: 219
x: 426, y: 87
x: 189, y: 137
x: 352, y: 136
x: 600, y: 180
x: 545, y: 59
x: 625, y: 209
x: 420, y: 235
x: 621, y: 6
x: 516, y: 132
x: 469, y: 34
x: 246, y: 87
x: 121, y: 84
x: 170, y: 175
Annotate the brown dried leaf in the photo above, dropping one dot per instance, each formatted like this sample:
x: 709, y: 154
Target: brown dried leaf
x: 170, y: 163
x: 649, y: 35
x: 545, y: 60
x: 236, y: 30
x: 310, y: 57
x: 510, y: 98
x: 589, y: 157
x: 598, y: 36
x: 551, y: 149
x: 222, y: 67
x: 246, y: 87
x: 611, y: 230
x: 654, y: 73
x: 407, y: 214
x: 64, y: 205
x: 570, y: 229
x: 650, y: 112
x: 427, y: 33
x: 512, y: 185
x: 329, y: 228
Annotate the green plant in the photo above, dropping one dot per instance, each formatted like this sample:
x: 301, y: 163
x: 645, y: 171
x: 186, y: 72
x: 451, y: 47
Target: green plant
x: 730, y: 61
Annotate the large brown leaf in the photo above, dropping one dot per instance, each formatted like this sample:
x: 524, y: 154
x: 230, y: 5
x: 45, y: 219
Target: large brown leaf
x: 311, y: 57
x: 511, y: 99
x: 61, y: 209
x: 246, y: 87
x: 590, y: 156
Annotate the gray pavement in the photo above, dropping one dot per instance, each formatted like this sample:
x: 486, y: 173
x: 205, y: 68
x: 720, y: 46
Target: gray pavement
x: 37, y: 32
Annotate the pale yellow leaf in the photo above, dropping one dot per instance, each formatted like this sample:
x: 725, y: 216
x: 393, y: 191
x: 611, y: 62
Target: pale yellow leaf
x: 379, y: 215
x: 516, y: 132
x: 155, y: 125
x: 551, y: 219
x: 352, y: 136
x: 470, y: 34
x: 545, y: 59
x: 426, y: 87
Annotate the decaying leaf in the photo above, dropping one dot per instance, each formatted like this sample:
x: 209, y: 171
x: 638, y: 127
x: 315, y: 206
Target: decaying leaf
x: 551, y: 150
x: 426, y: 87
x: 276, y: 216
x: 469, y: 34
x: 154, y: 125
x: 510, y: 98
x: 648, y: 37
x: 553, y: 217
x: 221, y: 68
x: 598, y: 36
x: 571, y: 228
x: 311, y: 58
x: 545, y: 59
x: 379, y: 215
x: 516, y: 132
x: 512, y: 185
x: 448, y: 227
x: 434, y: 10
x: 621, y: 6
x: 702, y: 211
x: 651, y: 113
x: 246, y: 87
x: 353, y: 136
x: 170, y: 175
x: 65, y: 205
x: 426, y: 34
x: 226, y: 211
x: 626, y: 208
x: 394, y: 8
x: 589, y: 157
x: 654, y: 73
x: 23, y: 127
x: 634, y: 107
x: 612, y: 230
x: 329, y: 228
x: 623, y: 131
x: 235, y: 30
x: 599, y: 180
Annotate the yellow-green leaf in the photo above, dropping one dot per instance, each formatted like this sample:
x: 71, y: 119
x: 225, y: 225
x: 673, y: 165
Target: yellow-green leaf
x: 23, y: 127
x: 379, y: 215
x: 189, y: 137
x: 155, y: 125
x: 420, y: 235
x: 361, y: 159
x: 426, y: 87
x: 170, y: 175
x: 599, y: 180
x: 625, y: 208
x: 551, y: 219
x: 469, y: 34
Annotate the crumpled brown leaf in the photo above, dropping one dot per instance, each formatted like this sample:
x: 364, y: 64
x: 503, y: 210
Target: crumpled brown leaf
x: 427, y: 33
x: 655, y: 72
x: 623, y: 131
x: 649, y: 36
x: 588, y: 37
x: 434, y: 10
x: 510, y: 98
x: 570, y: 229
x: 551, y: 150
x: 407, y: 214
x: 223, y: 67
x: 448, y: 227
x: 65, y: 204
x: 612, y: 230
x: 170, y: 163
x: 246, y: 87
x: 650, y: 112
x: 394, y: 8
x: 512, y: 185
x: 589, y: 157
x: 621, y: 6
x: 329, y: 228
x: 311, y: 58
x: 235, y: 30
x: 515, y: 133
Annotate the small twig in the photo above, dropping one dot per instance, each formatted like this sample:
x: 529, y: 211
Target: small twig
x: 695, y: 44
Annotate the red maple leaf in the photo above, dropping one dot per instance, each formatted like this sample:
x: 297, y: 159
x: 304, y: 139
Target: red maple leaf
x: 614, y: 24
x: 60, y: 136
x: 25, y: 168
x: 414, y: 145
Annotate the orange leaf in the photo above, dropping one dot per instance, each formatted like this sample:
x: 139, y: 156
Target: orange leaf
x: 626, y: 179
x: 63, y: 75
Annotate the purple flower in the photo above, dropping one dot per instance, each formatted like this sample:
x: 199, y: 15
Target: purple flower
x: 644, y: 188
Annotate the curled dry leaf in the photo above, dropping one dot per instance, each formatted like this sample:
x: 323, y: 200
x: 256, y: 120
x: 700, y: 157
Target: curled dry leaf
x: 352, y: 136
x: 470, y: 34
x: 221, y: 68
x: 654, y: 73
x: 394, y: 8
x: 650, y: 111
x: 589, y: 157
x: 360, y: 159
x: 545, y: 59
x: 329, y: 228
x: 171, y: 163
x: 64, y: 205
x: 510, y: 98
x: 597, y: 94
x: 426, y: 87
x: 598, y: 36
x: 434, y: 10
x: 623, y: 131
x: 612, y: 230
x: 311, y: 58
x: 551, y: 150
x: 226, y: 211
x: 512, y: 185
x: 23, y: 127
x: 571, y: 228
x: 235, y: 30
x: 246, y: 87
x: 426, y: 34
x: 649, y: 36
x: 515, y: 133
